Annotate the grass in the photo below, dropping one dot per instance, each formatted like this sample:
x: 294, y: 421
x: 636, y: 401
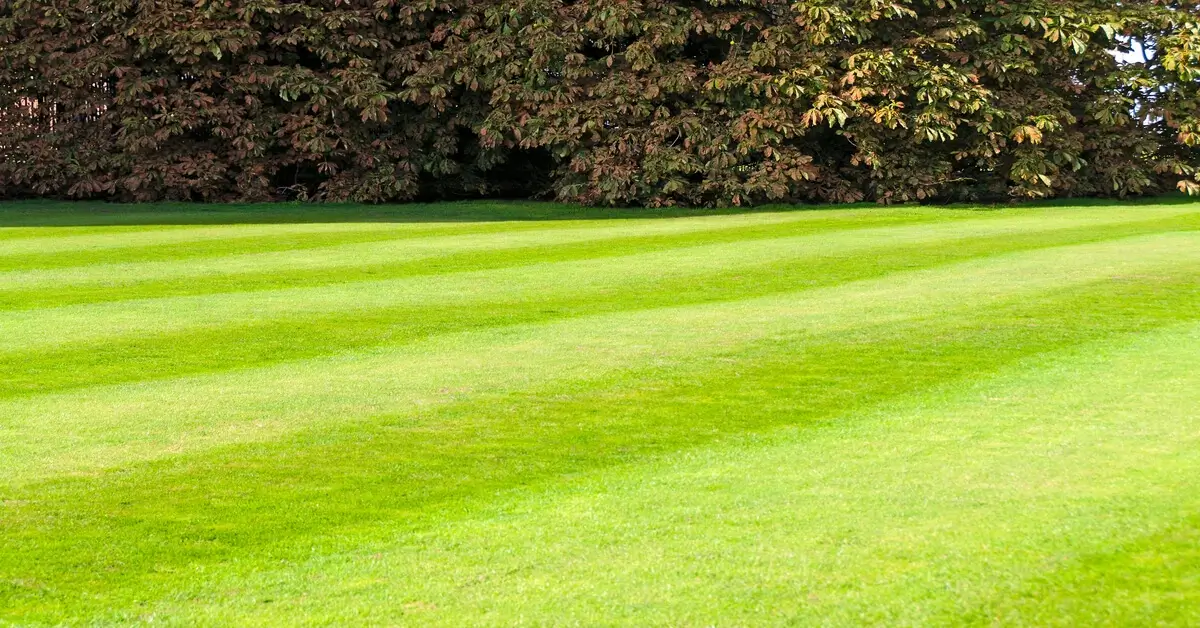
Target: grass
x: 510, y: 414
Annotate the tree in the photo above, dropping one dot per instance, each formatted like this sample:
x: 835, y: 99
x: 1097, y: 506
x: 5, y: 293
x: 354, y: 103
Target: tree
x: 654, y: 102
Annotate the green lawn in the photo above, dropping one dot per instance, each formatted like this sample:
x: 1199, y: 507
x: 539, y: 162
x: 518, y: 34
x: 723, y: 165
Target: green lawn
x: 506, y: 414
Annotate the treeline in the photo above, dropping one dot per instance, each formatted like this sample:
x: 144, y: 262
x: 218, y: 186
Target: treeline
x: 653, y: 102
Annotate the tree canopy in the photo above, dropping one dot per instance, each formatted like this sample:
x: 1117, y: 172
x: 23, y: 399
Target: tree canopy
x: 651, y: 102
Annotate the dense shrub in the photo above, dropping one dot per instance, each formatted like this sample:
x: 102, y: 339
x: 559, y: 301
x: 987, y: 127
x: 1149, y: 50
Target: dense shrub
x: 598, y: 101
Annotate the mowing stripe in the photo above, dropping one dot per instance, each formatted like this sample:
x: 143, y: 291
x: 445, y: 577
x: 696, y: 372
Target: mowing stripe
x: 440, y: 254
x: 248, y: 235
x: 144, y: 357
x: 110, y: 426
x: 214, y: 247
x: 335, y: 259
x: 28, y: 330
x: 43, y: 241
x: 903, y: 416
x: 880, y: 495
x: 1151, y: 578
x: 310, y: 495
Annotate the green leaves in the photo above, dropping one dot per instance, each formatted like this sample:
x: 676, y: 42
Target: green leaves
x: 654, y: 102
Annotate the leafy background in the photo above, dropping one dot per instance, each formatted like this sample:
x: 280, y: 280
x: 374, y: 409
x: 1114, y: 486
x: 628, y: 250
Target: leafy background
x: 606, y: 102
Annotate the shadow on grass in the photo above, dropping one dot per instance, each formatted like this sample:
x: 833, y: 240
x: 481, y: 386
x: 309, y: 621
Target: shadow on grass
x: 47, y: 213
x: 85, y: 213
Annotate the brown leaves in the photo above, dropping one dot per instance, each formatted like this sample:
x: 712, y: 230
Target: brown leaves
x: 608, y: 102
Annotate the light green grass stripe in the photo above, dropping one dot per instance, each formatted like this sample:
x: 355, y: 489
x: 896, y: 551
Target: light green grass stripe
x: 109, y: 426
x: 936, y: 510
x: 352, y: 255
x: 48, y: 242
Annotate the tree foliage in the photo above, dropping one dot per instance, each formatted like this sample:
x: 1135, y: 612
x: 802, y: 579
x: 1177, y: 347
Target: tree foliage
x: 652, y: 102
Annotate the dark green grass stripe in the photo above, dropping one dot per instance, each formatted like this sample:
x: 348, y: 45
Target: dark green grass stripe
x: 33, y: 214
x: 130, y: 287
x: 17, y: 216
x: 84, y: 216
x: 79, y: 545
x: 1163, y: 566
x: 206, y: 350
